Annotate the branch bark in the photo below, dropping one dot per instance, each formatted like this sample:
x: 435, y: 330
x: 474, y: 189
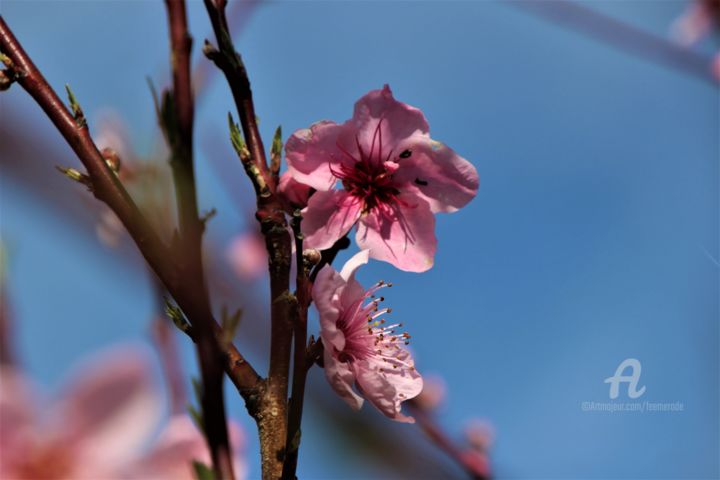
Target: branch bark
x: 272, y: 417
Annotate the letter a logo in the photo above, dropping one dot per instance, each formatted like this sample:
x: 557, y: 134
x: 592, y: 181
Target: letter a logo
x: 631, y: 379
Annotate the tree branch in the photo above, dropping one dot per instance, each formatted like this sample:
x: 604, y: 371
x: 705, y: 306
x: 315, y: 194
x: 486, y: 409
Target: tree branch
x: 188, y: 292
x: 272, y: 419
x: 442, y: 441
x: 300, y: 369
x: 178, y: 124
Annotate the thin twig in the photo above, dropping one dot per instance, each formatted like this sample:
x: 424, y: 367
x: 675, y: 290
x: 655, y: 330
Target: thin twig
x: 107, y: 188
x: 7, y: 350
x: 441, y: 440
x: 272, y: 419
x: 295, y: 406
x: 623, y: 36
x: 190, y: 239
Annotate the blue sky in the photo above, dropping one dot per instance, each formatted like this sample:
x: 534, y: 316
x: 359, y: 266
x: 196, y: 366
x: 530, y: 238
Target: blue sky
x: 593, y: 238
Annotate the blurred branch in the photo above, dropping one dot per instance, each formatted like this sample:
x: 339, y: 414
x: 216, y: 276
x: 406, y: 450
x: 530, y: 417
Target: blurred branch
x: 441, y: 440
x: 163, y: 335
x: 7, y: 352
x: 107, y: 188
x: 272, y: 421
x: 621, y: 35
x: 178, y: 126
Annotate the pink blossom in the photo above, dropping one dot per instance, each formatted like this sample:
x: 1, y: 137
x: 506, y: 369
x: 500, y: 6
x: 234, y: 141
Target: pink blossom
x: 433, y: 393
x: 293, y: 193
x: 97, y: 426
x: 358, y: 349
x: 696, y: 22
x: 247, y: 255
x: 394, y: 178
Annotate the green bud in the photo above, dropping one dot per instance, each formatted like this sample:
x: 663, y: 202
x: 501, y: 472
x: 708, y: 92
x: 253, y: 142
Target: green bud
x: 76, y: 109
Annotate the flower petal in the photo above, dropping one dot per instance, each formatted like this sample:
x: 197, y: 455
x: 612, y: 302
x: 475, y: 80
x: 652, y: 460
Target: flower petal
x: 386, y: 387
x: 326, y: 295
x: 177, y: 446
x: 353, y: 291
x: 399, y: 121
x: 293, y: 193
x: 438, y: 174
x: 355, y: 262
x: 329, y: 216
x: 405, y: 239
x: 18, y: 422
x: 309, y: 152
x: 341, y: 378
x: 247, y: 256
x: 111, y: 405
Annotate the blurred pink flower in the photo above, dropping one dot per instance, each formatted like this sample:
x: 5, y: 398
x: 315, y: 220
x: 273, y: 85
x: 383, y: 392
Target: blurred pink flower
x: 395, y: 178
x: 97, y: 426
x: 480, y: 436
x: 433, y: 393
x: 696, y: 22
x: 358, y: 349
x: 247, y: 255
x: 479, y: 433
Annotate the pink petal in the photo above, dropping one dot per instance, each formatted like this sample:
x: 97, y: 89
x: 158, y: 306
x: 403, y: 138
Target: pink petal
x: 18, y: 422
x: 436, y: 173
x: 294, y: 193
x: 406, y: 240
x: 309, y: 151
x: 111, y: 405
x: 341, y: 379
x: 247, y: 256
x: 325, y: 294
x: 399, y: 121
x: 356, y: 261
x: 179, y: 444
x: 388, y: 388
x: 353, y: 291
x: 328, y: 217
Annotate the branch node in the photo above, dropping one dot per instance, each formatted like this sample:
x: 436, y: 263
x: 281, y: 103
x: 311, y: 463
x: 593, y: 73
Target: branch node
x: 76, y: 176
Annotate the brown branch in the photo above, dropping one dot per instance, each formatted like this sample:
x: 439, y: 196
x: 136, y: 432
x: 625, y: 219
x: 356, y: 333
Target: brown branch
x: 272, y: 418
x: 300, y: 368
x: 186, y: 290
x: 7, y: 348
x: 179, y: 130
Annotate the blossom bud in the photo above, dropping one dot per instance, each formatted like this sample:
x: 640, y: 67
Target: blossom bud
x: 312, y: 256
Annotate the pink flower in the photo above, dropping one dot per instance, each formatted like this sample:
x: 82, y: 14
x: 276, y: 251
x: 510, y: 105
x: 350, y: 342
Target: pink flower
x: 696, y: 22
x: 433, y: 393
x: 97, y: 426
x: 247, y: 255
x: 394, y: 178
x: 293, y: 193
x: 358, y: 349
